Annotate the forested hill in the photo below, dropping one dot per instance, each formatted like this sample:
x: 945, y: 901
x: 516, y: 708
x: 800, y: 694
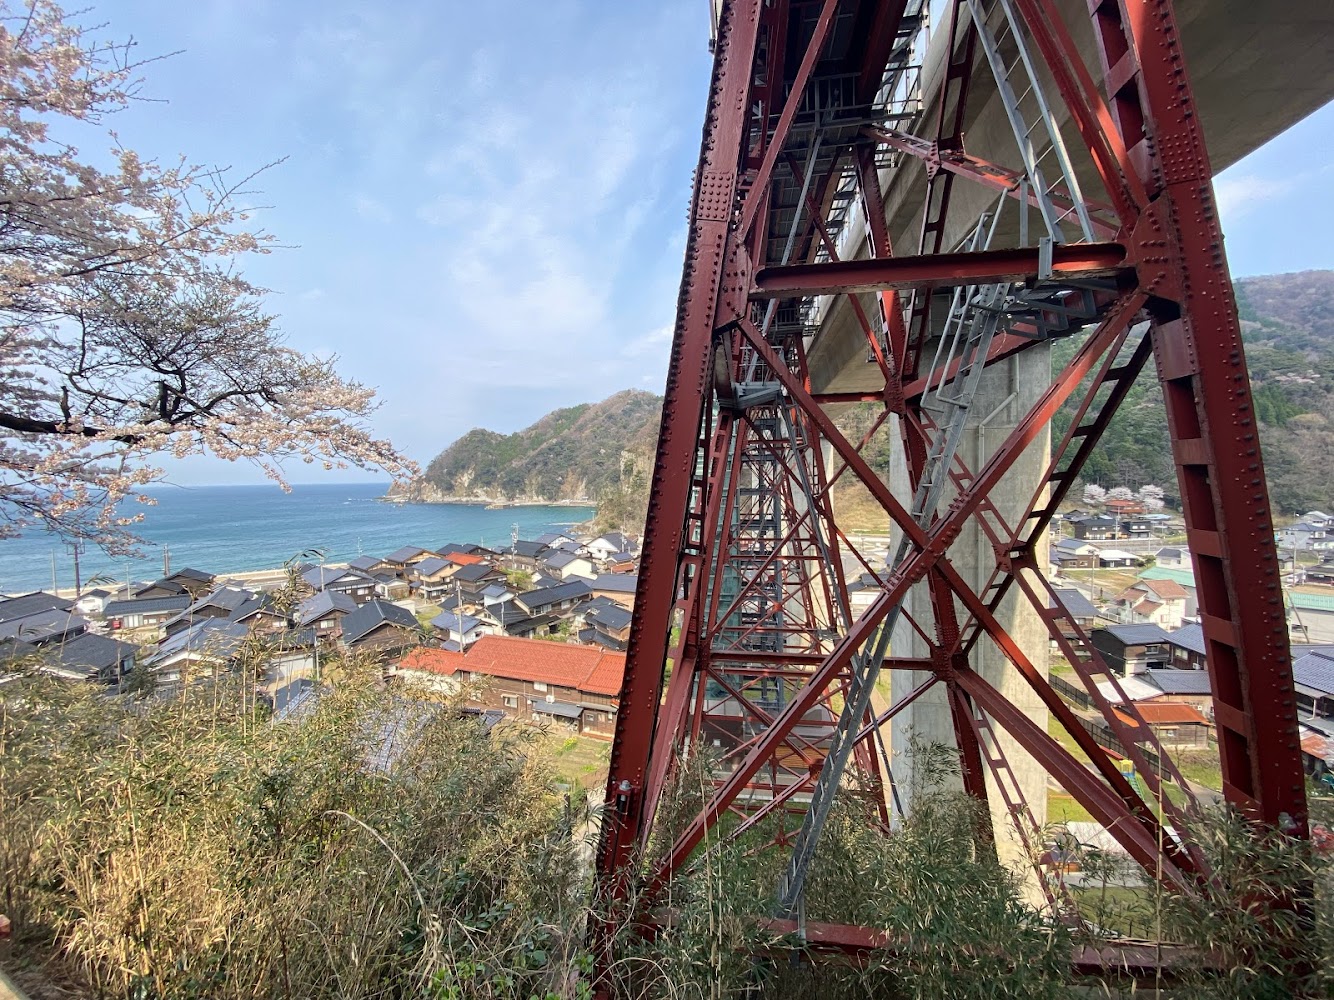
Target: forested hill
x: 593, y: 451
x: 1288, y: 327
x: 604, y: 451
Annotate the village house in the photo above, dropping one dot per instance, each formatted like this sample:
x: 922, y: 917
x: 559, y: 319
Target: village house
x: 1073, y: 553
x: 203, y: 646
x: 220, y: 603
x: 1172, y: 557
x: 1162, y: 602
x: 261, y: 614
x: 1132, y: 649
x: 144, y: 613
x: 1305, y: 537
x: 356, y: 585
x: 1187, y: 647
x: 1114, y: 558
x: 621, y: 562
x: 606, y: 623
x: 431, y: 669
x: 1174, y: 723
x: 517, y: 621
x: 189, y: 581
x: 497, y: 593
x: 1079, y: 612
x: 619, y: 587
x: 555, y: 600
x: 89, y: 657
x: 568, y: 565
x: 473, y: 580
x: 42, y: 627
x: 605, y: 546
x: 1317, y: 751
x: 1135, y: 526
x: 1118, y: 507
x: 457, y: 630
x: 409, y: 555
x: 530, y: 680
x: 558, y: 540
x: 1313, y: 679
x: 324, y: 613
x: 92, y: 602
x: 367, y: 565
x: 1323, y: 572
x: 458, y: 558
x: 480, y: 552
x: 522, y: 555
x: 1094, y: 527
x: 1189, y: 686
x: 431, y: 576
x: 383, y: 629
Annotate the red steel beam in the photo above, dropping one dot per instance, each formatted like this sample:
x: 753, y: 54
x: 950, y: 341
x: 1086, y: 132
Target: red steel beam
x: 1201, y: 363
x: 707, y: 252
x: 940, y: 270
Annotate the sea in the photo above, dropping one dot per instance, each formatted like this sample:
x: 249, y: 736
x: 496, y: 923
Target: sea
x: 232, y: 529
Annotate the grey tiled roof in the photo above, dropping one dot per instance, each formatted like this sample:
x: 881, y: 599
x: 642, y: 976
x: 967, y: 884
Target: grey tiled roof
x: 1075, y: 603
x: 1315, y: 671
x: 1189, y: 637
x: 405, y: 553
x: 547, y: 596
x: 1141, y: 634
x: 426, y: 567
x: 619, y: 583
x: 146, y: 605
x: 371, y: 615
x: 28, y: 604
x: 1180, y: 681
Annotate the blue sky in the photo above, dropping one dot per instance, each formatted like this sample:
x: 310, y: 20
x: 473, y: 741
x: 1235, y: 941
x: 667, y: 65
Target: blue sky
x: 485, y: 203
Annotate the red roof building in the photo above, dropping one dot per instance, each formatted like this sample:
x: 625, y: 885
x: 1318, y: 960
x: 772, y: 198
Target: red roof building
x: 1174, y: 723
x: 530, y: 679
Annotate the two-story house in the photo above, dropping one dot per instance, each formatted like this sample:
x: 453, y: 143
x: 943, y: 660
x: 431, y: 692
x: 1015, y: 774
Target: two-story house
x: 1094, y: 527
x: 1133, y: 649
x: 1162, y: 602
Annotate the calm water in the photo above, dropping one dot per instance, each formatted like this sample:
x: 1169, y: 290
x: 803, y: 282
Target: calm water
x: 228, y: 529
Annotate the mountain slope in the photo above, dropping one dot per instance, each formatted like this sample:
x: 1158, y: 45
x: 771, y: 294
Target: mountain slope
x: 604, y: 451
x: 577, y: 453
x: 1288, y: 327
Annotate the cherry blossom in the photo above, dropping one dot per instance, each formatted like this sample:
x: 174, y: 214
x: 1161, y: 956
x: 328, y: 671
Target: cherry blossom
x: 127, y: 331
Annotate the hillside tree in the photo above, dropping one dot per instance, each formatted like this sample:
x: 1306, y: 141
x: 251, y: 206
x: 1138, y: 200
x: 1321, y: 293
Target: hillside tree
x: 127, y: 331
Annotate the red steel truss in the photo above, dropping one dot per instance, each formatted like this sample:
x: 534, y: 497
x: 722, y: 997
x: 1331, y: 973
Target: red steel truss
x: 761, y: 626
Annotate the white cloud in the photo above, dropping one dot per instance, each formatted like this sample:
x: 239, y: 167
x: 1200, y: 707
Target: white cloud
x: 650, y: 343
x: 1240, y: 194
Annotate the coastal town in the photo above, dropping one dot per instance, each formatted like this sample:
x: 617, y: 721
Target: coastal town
x: 536, y: 631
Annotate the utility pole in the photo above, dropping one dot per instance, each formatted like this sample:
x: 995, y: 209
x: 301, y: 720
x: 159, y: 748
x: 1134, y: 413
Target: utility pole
x: 75, y: 547
x: 54, y: 588
x: 458, y: 611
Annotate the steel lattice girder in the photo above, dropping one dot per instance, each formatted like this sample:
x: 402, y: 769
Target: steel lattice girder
x: 743, y: 557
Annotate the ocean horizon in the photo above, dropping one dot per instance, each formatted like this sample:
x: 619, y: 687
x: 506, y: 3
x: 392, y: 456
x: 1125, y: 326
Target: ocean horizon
x: 236, y: 528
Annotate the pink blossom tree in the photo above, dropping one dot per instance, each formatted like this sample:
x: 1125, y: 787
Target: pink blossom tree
x: 126, y: 329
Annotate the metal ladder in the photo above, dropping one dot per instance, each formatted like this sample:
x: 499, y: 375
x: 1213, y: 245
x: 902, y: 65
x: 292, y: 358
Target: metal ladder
x: 975, y: 316
x: 1023, y: 68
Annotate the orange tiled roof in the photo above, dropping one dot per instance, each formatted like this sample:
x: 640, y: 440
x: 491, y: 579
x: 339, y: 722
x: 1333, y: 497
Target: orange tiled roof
x: 1166, y: 713
x: 1318, y: 745
x: 585, y: 668
x: 464, y: 558
x: 433, y: 661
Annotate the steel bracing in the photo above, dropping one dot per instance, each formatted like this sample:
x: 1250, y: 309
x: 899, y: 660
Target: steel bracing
x: 950, y: 200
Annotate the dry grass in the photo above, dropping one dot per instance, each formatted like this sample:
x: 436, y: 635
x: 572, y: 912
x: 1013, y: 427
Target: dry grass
x: 188, y: 848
